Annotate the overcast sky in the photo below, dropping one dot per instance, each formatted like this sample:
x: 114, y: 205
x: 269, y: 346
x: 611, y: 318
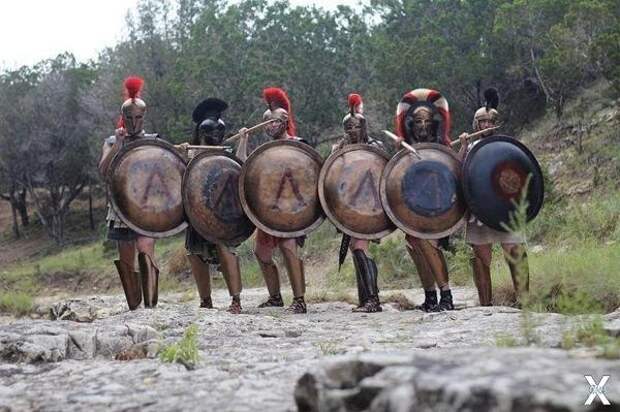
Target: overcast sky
x: 32, y: 30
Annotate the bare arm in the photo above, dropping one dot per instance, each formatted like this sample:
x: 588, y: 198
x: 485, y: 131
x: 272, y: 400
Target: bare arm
x: 463, y: 138
x: 108, y: 151
x: 242, y: 148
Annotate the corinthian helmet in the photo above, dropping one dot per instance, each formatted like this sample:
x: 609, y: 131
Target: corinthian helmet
x: 134, y: 108
x: 354, y: 122
x: 489, y: 111
x: 279, y: 108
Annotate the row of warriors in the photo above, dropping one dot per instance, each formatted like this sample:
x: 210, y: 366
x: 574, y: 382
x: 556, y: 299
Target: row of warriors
x: 422, y: 116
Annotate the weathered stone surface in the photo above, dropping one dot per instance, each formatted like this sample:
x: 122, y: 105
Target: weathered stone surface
x: 33, y: 341
x: 510, y: 380
x: 248, y: 362
x: 612, y: 326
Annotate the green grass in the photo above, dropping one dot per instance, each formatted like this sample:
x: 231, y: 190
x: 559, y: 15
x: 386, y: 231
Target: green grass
x: 575, y: 280
x: 16, y: 303
x: 185, y: 351
x: 568, y: 223
x: 504, y: 340
x: 590, y: 333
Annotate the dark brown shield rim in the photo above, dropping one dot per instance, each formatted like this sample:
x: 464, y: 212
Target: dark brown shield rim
x: 147, y: 141
x: 384, y: 200
x: 244, y: 202
x: 535, y: 208
x: 326, y: 207
x: 184, y: 193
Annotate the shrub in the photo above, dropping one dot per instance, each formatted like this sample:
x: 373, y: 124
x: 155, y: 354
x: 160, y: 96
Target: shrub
x: 184, y: 351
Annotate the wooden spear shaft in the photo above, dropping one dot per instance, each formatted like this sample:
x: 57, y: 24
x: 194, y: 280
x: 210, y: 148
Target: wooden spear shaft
x: 475, y: 136
x: 250, y: 130
x: 206, y: 147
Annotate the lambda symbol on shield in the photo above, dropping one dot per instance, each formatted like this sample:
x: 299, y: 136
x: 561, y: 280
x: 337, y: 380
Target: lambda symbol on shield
x: 160, y: 187
x: 220, y: 193
x: 287, y: 176
x: 368, y: 192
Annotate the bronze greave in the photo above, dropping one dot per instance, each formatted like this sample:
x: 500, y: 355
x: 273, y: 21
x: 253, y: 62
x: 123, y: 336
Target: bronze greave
x: 367, y: 274
x: 229, y: 264
x: 424, y: 271
x: 519, y: 269
x: 271, y: 276
x: 296, y: 275
x: 482, y: 279
x: 150, y: 279
x: 131, y: 284
x: 361, y: 291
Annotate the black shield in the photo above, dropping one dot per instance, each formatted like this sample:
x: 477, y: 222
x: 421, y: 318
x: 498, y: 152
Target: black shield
x: 495, y: 173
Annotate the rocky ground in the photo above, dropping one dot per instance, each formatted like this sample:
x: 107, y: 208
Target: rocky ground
x: 254, y: 361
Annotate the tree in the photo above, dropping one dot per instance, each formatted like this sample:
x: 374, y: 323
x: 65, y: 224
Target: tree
x: 57, y: 148
x: 14, y: 128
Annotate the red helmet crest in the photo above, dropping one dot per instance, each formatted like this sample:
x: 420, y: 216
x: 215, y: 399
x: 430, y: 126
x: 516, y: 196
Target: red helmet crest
x: 277, y: 98
x: 132, y: 88
x: 356, y: 104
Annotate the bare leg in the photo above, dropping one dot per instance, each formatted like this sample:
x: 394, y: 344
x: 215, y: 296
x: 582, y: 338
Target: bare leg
x: 424, y: 270
x: 295, y: 268
x: 425, y: 273
x: 229, y: 264
x: 263, y: 250
x: 516, y: 257
x: 200, y: 271
x: 439, y: 268
x: 481, y: 265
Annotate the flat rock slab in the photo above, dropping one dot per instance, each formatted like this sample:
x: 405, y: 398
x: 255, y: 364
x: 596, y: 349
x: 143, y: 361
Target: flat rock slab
x: 487, y: 379
x: 248, y: 362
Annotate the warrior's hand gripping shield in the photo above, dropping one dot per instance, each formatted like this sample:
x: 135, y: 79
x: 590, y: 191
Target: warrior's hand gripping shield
x: 422, y: 193
x: 278, y: 188
x: 211, y: 198
x: 349, y: 191
x: 145, y: 187
x: 495, y: 173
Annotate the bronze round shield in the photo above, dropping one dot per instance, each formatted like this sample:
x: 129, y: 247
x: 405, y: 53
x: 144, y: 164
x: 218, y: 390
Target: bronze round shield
x: 422, y: 195
x: 145, y: 187
x: 349, y: 191
x: 211, y: 198
x: 278, y: 188
x: 496, y: 171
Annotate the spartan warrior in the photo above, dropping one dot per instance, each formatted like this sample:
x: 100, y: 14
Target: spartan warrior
x: 481, y: 237
x: 423, y: 116
x: 142, y: 284
x: 279, y: 109
x: 209, y: 131
x: 355, y: 131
